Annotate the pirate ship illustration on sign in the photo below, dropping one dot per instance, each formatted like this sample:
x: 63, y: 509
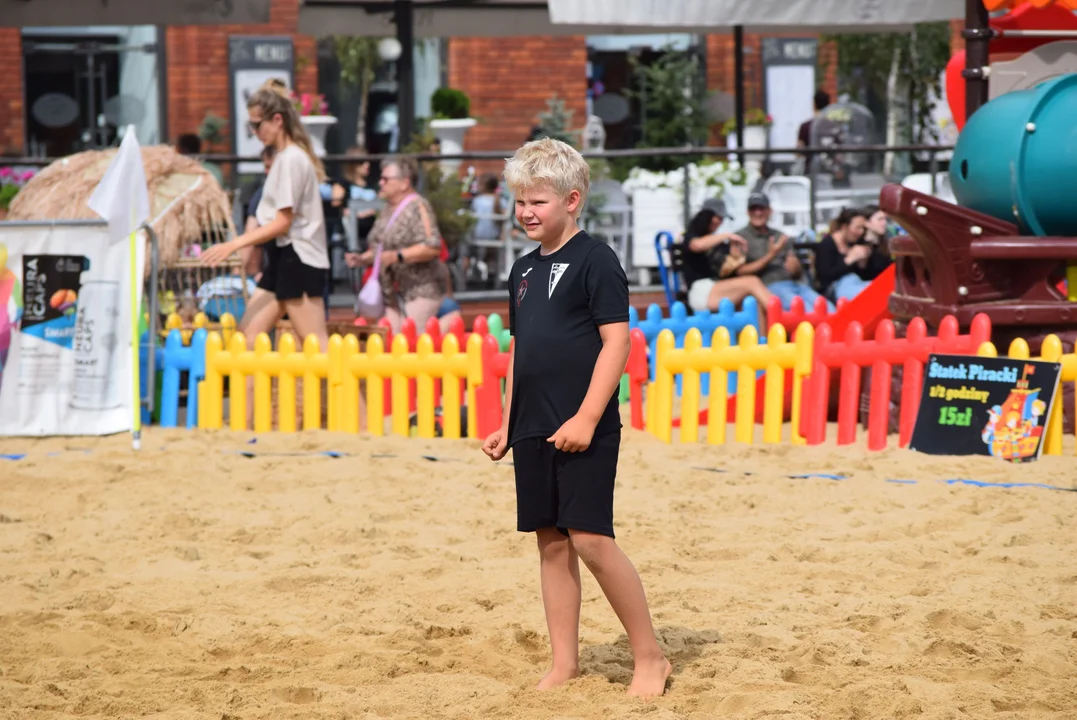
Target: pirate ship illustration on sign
x: 1013, y: 431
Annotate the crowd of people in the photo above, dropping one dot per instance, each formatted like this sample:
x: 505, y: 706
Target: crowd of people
x: 284, y: 244
x: 761, y: 262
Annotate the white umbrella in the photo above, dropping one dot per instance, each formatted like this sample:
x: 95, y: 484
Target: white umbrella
x: 756, y: 16
x: 439, y: 18
x: 50, y: 13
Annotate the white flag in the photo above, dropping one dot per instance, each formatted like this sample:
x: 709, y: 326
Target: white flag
x: 122, y: 197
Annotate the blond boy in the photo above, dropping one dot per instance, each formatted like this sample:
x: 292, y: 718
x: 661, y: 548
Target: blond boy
x: 568, y: 313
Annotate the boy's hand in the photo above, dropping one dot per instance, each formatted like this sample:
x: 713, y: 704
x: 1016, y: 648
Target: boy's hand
x: 496, y: 445
x: 574, y: 436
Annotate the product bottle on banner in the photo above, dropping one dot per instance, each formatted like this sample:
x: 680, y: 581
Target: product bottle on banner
x: 50, y: 292
x: 50, y: 289
x: 97, y: 318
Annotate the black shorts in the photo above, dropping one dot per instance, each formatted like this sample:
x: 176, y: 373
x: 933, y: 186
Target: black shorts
x: 288, y: 277
x: 566, y: 490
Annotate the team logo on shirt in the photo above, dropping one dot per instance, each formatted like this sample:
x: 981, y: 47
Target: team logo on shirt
x: 556, y: 271
x: 520, y: 292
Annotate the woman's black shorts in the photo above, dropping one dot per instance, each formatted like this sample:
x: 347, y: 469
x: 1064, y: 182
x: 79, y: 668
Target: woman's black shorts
x: 288, y: 277
x: 568, y: 491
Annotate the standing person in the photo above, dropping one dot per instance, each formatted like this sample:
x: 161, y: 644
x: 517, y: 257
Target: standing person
x: 289, y: 215
x: 407, y: 230
x: 820, y: 102
x: 568, y: 312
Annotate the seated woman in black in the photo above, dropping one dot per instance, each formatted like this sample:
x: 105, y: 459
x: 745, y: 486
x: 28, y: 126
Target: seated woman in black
x: 711, y: 257
x: 844, y: 264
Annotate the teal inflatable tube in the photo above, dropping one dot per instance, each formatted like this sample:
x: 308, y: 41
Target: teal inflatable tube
x: 1016, y: 159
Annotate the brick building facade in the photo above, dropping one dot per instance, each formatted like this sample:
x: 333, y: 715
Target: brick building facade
x: 507, y: 79
x: 197, y: 72
x: 198, y: 65
x: 12, y: 127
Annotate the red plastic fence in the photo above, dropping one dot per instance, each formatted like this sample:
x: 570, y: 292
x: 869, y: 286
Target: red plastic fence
x: 637, y: 375
x: 488, y: 397
x: 854, y: 353
x: 797, y: 314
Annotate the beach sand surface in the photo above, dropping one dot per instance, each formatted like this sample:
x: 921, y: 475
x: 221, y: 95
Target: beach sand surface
x: 189, y: 581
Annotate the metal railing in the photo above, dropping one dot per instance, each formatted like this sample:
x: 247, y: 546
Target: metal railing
x: 824, y: 200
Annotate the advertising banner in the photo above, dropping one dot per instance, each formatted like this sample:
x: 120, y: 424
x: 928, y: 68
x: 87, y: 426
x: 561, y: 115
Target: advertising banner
x: 65, y: 330
x: 985, y: 406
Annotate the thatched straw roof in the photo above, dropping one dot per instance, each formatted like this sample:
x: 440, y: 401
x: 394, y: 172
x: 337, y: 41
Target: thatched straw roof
x: 180, y: 214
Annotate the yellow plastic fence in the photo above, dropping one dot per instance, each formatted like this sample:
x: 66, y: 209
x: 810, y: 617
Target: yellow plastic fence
x: 745, y: 358
x: 175, y: 322
x: 1050, y: 351
x: 343, y: 366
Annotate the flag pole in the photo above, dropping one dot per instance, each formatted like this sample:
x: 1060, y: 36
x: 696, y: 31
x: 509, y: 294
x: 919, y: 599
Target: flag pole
x: 136, y: 342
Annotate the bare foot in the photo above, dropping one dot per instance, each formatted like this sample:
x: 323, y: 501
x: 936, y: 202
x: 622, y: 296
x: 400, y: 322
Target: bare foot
x: 557, y: 677
x: 649, y: 678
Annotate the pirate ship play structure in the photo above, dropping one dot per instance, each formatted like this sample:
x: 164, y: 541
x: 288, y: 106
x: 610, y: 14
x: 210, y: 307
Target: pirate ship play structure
x: 1009, y: 246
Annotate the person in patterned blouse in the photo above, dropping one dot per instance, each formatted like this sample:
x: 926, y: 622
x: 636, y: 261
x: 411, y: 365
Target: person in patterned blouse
x: 406, y: 231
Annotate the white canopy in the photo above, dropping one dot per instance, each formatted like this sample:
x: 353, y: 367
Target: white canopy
x: 462, y: 18
x: 55, y: 13
x: 756, y: 15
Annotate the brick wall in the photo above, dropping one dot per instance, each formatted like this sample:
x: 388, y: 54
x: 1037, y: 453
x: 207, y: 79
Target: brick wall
x: 507, y: 94
x: 12, y: 128
x: 198, y: 67
x: 509, y: 81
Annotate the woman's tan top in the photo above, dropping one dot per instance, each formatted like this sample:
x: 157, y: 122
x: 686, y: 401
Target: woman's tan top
x: 412, y: 280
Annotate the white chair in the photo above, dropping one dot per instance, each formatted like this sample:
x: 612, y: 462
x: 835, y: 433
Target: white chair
x: 613, y: 221
x: 921, y: 182
x: 790, y: 201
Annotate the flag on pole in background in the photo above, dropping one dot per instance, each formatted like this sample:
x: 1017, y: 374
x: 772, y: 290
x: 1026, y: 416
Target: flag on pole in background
x: 122, y: 198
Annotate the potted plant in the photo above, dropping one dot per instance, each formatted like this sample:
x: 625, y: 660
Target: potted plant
x: 452, y: 119
x: 314, y: 114
x: 756, y: 124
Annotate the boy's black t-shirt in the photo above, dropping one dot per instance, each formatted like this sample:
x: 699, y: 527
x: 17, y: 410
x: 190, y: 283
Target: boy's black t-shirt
x: 556, y: 305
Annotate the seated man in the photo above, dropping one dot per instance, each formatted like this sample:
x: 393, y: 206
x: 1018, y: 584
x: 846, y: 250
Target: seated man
x: 770, y: 257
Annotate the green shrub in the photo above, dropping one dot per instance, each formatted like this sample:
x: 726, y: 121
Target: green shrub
x: 450, y: 104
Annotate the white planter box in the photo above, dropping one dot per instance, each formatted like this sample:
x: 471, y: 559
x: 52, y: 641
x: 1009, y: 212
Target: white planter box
x: 652, y: 212
x: 755, y: 138
x: 317, y: 126
x: 451, y: 135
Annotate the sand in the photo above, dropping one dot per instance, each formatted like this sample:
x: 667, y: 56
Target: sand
x: 188, y: 581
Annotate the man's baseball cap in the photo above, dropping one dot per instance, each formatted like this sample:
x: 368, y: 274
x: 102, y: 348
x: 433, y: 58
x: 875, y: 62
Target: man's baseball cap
x: 758, y: 200
x: 718, y: 207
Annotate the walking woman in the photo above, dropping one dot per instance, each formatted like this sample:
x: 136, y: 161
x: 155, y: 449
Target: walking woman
x: 291, y: 225
x: 412, y: 275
